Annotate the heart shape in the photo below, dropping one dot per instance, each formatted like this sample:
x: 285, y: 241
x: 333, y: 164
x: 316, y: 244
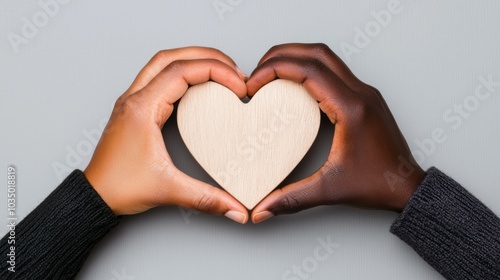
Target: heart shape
x: 248, y: 149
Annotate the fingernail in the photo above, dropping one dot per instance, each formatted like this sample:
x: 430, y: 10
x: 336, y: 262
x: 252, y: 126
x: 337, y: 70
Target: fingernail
x: 262, y: 216
x: 236, y: 216
x: 240, y: 72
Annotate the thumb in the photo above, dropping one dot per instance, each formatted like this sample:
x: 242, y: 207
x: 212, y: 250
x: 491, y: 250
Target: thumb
x: 191, y: 193
x: 312, y: 191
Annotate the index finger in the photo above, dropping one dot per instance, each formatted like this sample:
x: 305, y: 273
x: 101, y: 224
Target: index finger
x: 334, y: 96
x: 163, y: 58
x: 173, y: 81
x: 320, y: 52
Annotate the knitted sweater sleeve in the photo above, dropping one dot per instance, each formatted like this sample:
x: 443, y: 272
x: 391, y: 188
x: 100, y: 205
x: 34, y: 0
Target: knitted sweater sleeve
x: 54, y: 240
x: 451, y: 229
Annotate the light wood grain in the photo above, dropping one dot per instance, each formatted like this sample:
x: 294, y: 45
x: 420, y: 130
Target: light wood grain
x: 248, y: 149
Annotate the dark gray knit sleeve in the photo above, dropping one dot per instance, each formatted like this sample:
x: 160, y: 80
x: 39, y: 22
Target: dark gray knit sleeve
x: 54, y: 240
x: 451, y: 229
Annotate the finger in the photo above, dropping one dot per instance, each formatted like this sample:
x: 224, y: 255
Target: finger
x: 317, y: 189
x: 335, y: 98
x: 319, y: 52
x: 163, y: 58
x: 173, y: 81
x: 194, y: 194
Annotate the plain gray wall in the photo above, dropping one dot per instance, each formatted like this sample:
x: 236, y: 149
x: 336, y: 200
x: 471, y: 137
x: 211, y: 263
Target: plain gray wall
x: 58, y: 82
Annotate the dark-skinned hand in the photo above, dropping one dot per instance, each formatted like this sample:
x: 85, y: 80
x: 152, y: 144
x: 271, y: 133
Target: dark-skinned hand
x: 367, y: 144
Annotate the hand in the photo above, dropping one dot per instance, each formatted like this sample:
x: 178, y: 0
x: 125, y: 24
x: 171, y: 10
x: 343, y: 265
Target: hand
x: 131, y: 168
x: 369, y: 164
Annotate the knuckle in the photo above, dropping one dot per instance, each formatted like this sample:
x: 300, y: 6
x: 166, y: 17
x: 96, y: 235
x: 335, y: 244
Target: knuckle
x: 360, y: 111
x: 274, y: 49
x: 369, y: 103
x: 370, y: 90
x: 279, y: 50
x: 131, y: 107
x: 214, y: 51
x: 176, y: 66
x: 119, y: 103
x: 290, y: 204
x: 320, y: 49
x: 161, y: 54
x: 206, y: 203
x: 273, y: 61
x: 130, y: 104
x: 315, y: 66
x: 207, y: 51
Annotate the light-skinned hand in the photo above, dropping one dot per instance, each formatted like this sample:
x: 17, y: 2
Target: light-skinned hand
x: 131, y: 168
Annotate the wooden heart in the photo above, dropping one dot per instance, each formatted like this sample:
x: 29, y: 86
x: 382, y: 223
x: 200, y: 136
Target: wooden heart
x: 248, y: 149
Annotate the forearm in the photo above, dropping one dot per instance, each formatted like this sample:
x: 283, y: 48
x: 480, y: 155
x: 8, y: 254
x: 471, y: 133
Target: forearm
x: 451, y: 229
x: 54, y: 240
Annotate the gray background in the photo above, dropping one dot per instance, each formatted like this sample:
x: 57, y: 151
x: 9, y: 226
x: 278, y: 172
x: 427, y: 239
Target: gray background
x: 62, y: 83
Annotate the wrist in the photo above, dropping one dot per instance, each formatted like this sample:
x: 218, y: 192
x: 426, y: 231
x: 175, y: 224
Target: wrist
x: 99, y: 188
x: 407, y: 188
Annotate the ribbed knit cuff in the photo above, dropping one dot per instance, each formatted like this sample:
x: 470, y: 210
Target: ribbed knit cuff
x: 451, y: 229
x: 54, y: 240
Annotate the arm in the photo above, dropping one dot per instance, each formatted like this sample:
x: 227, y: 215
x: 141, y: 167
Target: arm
x: 130, y: 171
x: 45, y: 248
x: 451, y: 229
x: 371, y: 166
